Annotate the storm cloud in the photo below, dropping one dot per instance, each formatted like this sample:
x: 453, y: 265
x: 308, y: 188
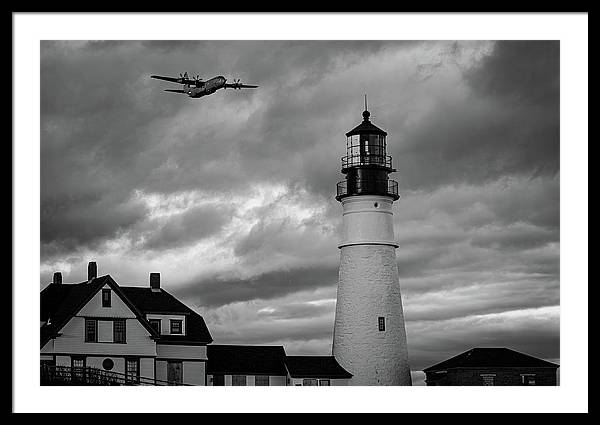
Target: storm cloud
x: 231, y: 197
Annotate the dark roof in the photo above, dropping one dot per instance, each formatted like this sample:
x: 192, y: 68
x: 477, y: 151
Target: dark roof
x: 60, y: 302
x: 315, y: 367
x: 163, y: 302
x: 246, y: 360
x: 366, y: 127
x: 490, y: 358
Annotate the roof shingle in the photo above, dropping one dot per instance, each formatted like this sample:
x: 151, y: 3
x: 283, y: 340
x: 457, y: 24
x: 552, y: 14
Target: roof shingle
x: 148, y: 301
x: 246, y: 360
x: 489, y: 358
x: 315, y: 367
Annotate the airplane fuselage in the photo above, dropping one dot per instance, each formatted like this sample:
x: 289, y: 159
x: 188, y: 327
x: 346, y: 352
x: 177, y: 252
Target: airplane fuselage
x: 209, y: 87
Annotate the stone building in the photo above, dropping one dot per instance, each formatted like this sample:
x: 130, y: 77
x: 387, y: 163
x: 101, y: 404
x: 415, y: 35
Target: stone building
x: 492, y: 366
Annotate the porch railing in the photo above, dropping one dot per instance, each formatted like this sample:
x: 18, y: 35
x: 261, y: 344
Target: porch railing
x: 67, y: 375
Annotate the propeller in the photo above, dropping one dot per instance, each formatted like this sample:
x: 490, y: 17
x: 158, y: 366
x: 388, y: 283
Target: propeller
x: 235, y: 84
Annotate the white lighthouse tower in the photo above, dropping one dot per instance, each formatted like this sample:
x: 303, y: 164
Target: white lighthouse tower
x: 369, y: 337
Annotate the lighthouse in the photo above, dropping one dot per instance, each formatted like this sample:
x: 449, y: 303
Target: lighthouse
x: 369, y: 337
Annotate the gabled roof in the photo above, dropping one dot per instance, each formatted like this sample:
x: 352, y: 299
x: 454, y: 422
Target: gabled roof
x: 60, y: 302
x: 246, y: 360
x: 162, y: 302
x: 315, y: 367
x: 490, y: 358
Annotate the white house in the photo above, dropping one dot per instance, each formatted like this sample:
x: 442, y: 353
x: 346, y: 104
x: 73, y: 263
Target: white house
x: 137, y: 334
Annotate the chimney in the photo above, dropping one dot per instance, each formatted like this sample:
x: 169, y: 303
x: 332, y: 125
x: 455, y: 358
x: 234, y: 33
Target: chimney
x: 155, y: 282
x: 92, y: 270
x: 57, y: 278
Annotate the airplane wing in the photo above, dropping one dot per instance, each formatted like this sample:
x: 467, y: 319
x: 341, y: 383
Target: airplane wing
x: 171, y: 79
x: 180, y: 80
x: 239, y: 86
x: 175, y: 91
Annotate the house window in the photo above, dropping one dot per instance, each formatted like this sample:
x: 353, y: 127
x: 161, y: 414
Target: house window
x: 77, y: 361
x: 108, y: 364
x: 106, y: 298
x: 324, y: 382
x: 218, y: 380
x: 381, y: 321
x: 77, y: 368
x: 155, y: 323
x: 310, y: 382
x: 91, y: 330
x: 528, y: 379
x: 48, y: 363
x: 261, y: 380
x: 175, y: 372
x: 176, y: 326
x: 132, y: 370
x: 238, y: 380
x: 488, y: 379
x: 119, y: 331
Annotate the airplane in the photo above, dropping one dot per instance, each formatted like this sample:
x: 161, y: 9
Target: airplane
x: 195, y: 87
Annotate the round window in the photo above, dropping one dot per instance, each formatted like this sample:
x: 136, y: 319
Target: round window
x: 108, y: 364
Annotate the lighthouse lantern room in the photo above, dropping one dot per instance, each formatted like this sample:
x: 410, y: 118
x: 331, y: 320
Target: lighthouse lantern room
x: 366, y: 164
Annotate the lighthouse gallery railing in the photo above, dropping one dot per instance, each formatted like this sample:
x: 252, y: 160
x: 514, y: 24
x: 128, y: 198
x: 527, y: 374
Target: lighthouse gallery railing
x: 368, y: 187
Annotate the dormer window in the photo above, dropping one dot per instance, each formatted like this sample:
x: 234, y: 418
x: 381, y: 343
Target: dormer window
x: 155, y: 323
x: 106, y: 298
x: 176, y: 326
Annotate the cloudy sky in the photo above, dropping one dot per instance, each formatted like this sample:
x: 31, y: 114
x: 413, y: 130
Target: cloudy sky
x: 231, y: 196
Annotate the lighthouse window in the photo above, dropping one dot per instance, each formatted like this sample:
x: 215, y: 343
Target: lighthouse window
x: 354, y: 145
x: 382, y: 323
x: 375, y: 145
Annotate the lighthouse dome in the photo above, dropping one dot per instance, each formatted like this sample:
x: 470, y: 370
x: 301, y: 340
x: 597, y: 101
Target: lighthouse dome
x: 366, y: 127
